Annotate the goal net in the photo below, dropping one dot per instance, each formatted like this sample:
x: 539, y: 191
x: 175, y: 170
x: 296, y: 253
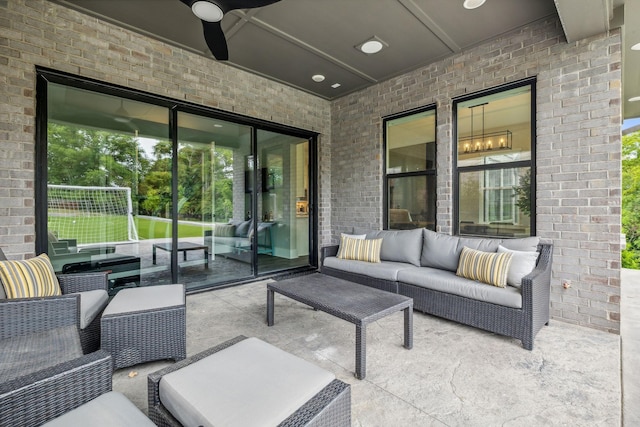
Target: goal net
x: 91, y: 215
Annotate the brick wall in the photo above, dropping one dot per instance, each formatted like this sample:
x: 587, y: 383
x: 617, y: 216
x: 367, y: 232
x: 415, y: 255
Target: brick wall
x: 37, y: 32
x: 578, y: 150
x: 578, y: 127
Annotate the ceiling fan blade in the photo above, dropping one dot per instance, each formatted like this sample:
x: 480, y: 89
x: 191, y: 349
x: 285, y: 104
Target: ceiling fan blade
x: 247, y: 4
x: 216, y: 40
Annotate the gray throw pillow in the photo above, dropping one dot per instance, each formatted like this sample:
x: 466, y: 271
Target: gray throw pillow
x: 522, y: 263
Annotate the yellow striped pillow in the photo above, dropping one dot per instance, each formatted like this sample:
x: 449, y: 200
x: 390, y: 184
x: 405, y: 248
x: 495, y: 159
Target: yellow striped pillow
x: 360, y: 249
x: 486, y: 267
x: 31, y: 278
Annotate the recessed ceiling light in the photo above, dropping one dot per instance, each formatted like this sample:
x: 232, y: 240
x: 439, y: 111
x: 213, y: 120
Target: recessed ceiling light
x: 472, y: 4
x: 371, y: 46
x: 317, y: 78
x: 635, y: 46
x: 634, y: 99
x: 335, y: 85
x: 207, y: 11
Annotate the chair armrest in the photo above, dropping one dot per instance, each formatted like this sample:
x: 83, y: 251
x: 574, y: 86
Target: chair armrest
x: 23, y: 316
x: 81, y: 282
x: 41, y: 396
x: 328, y: 251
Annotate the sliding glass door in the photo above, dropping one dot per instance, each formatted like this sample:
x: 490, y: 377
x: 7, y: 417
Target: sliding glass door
x: 155, y: 191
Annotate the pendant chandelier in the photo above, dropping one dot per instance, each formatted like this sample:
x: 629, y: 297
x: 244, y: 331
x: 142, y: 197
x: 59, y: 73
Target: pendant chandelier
x: 483, y: 141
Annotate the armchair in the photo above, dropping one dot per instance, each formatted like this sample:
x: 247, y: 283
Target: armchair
x: 93, y: 298
x: 43, y: 372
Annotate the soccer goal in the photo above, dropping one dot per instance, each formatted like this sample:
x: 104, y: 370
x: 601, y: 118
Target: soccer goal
x: 91, y: 215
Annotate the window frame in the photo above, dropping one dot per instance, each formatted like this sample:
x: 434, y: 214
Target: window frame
x: 458, y: 170
x: 433, y: 172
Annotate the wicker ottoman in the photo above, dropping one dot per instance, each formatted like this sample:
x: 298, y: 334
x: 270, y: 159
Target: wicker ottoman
x: 144, y: 324
x: 246, y: 382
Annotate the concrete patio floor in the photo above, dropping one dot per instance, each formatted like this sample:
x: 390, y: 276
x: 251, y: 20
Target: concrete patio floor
x: 454, y: 376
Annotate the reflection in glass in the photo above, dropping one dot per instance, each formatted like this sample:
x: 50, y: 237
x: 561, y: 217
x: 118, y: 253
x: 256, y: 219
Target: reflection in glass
x: 495, y: 202
x: 411, y: 171
x: 282, y: 231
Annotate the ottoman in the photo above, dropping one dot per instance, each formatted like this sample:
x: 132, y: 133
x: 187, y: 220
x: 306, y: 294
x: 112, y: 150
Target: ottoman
x: 144, y: 324
x: 247, y: 382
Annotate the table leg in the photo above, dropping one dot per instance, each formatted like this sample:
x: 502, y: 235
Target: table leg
x: 361, y: 352
x: 206, y: 258
x: 408, y: 327
x: 270, y: 307
x: 154, y: 255
x: 184, y: 255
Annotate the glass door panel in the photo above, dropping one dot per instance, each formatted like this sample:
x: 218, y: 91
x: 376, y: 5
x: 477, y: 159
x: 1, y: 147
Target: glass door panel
x: 282, y: 233
x: 215, y: 193
x: 108, y: 166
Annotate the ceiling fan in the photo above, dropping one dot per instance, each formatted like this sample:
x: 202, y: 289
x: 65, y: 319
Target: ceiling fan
x: 211, y: 13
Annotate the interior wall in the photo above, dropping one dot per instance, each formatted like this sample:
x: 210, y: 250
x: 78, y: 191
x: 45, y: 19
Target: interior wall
x: 578, y: 152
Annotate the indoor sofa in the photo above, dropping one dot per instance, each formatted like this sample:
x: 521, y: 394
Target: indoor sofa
x: 423, y: 264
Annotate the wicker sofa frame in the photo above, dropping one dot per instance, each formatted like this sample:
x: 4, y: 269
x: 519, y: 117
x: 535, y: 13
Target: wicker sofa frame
x: 521, y: 323
x: 39, y: 396
x: 331, y: 407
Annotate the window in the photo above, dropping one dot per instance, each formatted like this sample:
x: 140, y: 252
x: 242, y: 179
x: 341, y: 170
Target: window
x: 410, y: 178
x: 495, y: 158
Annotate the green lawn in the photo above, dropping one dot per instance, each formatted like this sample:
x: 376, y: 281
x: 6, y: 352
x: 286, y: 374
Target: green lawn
x: 99, y: 229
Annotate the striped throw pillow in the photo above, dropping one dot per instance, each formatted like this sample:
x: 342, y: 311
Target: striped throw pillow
x: 360, y: 249
x: 486, y: 267
x: 31, y: 278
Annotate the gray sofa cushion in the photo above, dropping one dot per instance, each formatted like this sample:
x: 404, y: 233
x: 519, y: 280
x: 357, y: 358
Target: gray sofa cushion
x: 387, y: 270
x: 446, y: 281
x: 441, y: 250
x: 107, y: 410
x: 25, y: 354
x: 91, y: 304
x: 399, y: 245
x: 251, y: 383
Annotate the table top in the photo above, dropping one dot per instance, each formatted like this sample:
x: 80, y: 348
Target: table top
x: 350, y: 301
x: 182, y: 246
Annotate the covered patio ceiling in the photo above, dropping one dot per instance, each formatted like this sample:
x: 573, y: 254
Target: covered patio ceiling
x: 292, y: 40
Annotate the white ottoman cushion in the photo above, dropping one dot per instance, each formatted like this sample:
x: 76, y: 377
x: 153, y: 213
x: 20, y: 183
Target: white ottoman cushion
x: 251, y: 383
x: 130, y: 300
x: 111, y: 409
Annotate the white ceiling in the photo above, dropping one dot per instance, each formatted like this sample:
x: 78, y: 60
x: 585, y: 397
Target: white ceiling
x: 292, y: 40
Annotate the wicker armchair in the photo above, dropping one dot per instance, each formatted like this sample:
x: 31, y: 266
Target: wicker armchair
x: 90, y: 306
x: 55, y: 377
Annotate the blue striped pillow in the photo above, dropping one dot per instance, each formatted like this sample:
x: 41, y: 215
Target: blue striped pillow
x: 486, y: 267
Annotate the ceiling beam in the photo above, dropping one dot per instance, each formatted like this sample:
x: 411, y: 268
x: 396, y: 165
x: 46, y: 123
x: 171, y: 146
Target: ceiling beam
x: 584, y: 18
x: 430, y: 24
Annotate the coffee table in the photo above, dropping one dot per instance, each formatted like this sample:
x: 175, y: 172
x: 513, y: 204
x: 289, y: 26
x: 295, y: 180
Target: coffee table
x: 357, y: 304
x: 182, y: 247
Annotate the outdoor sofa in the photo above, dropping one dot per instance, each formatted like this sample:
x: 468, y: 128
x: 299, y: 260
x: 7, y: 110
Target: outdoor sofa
x: 422, y: 264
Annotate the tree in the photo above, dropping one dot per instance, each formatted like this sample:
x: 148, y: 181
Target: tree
x: 631, y: 199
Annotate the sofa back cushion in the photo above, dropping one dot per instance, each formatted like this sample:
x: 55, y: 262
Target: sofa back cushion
x: 439, y: 250
x: 399, y: 245
x: 443, y: 251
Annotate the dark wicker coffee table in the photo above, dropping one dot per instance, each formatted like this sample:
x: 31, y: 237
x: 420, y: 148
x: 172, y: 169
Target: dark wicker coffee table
x: 357, y: 304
